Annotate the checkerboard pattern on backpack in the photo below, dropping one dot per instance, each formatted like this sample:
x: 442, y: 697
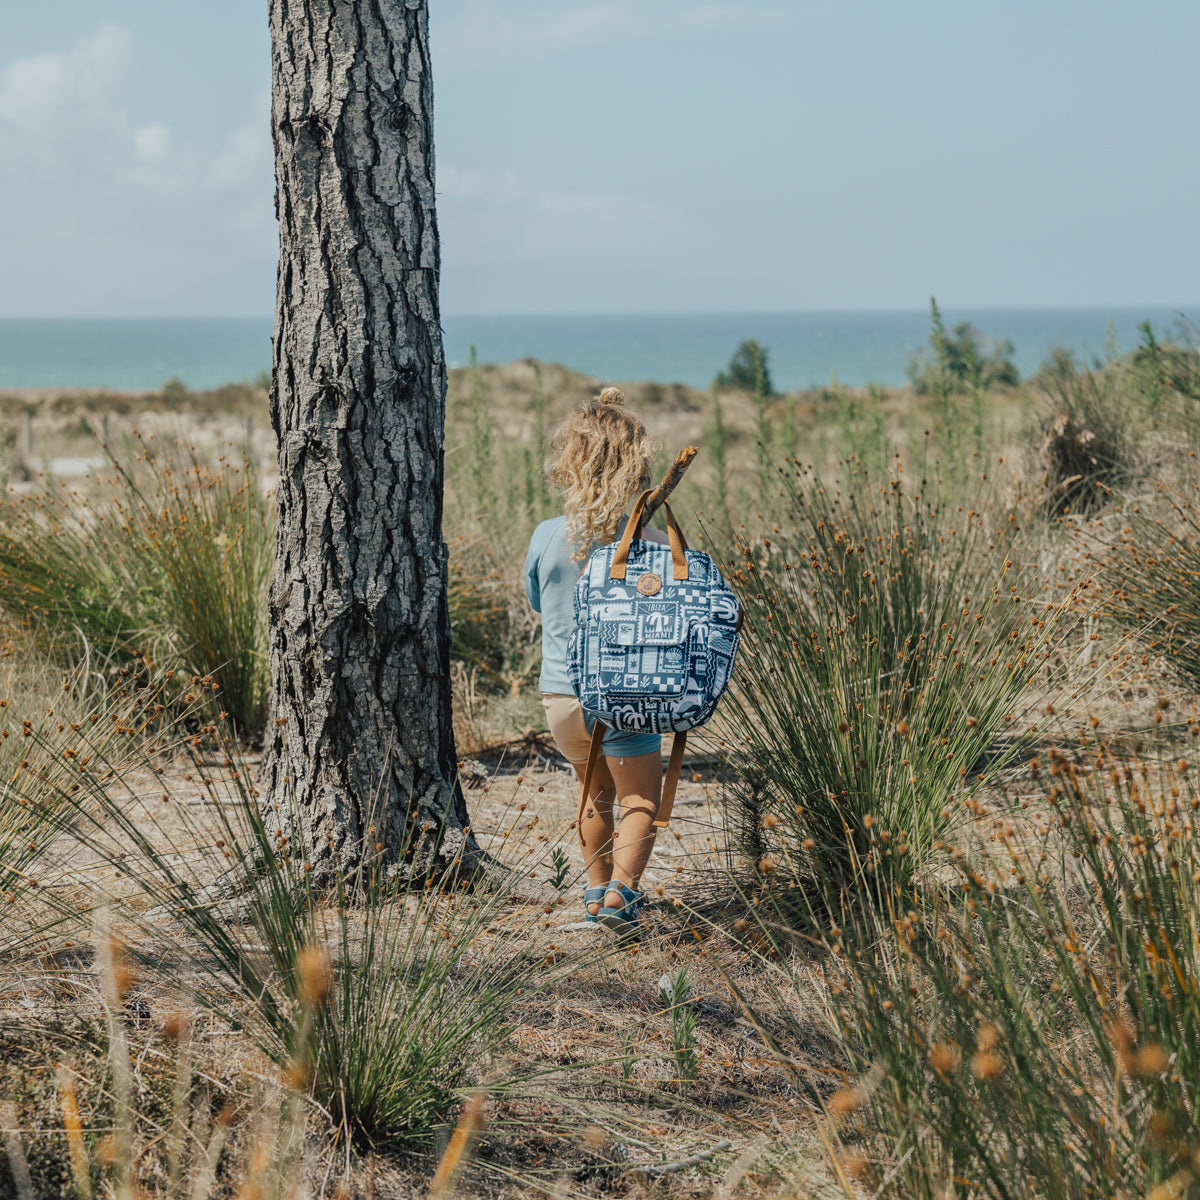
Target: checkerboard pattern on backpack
x: 653, y: 663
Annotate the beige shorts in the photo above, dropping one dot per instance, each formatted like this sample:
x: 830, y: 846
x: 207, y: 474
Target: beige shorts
x: 571, y: 729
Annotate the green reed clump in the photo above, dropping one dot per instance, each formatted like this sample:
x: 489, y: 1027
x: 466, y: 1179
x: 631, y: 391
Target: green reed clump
x: 1082, y: 436
x: 887, y: 644
x: 493, y: 629
x: 1166, y: 376
x: 1034, y: 1027
x: 385, y: 1004
x: 51, y: 720
x: 1149, y: 562
x: 482, y: 452
x: 173, y: 558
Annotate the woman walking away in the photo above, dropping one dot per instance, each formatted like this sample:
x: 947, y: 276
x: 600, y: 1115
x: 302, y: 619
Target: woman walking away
x: 599, y: 463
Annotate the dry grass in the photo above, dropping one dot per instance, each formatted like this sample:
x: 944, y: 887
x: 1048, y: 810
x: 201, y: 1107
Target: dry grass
x: 582, y: 1093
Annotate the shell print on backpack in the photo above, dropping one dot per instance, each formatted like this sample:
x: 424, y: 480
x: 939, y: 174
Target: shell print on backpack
x: 656, y: 633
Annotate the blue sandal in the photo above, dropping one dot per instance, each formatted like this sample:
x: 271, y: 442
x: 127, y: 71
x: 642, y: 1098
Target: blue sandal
x: 625, y: 918
x: 593, y: 895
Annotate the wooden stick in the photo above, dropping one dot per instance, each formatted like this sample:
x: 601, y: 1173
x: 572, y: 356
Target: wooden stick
x: 670, y: 480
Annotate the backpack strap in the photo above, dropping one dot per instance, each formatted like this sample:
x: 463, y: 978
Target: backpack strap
x: 670, y: 781
x: 593, y: 758
x: 633, y: 528
x: 674, y: 766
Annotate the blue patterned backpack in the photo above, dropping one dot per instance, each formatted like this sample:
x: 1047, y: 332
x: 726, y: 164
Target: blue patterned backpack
x: 655, y: 638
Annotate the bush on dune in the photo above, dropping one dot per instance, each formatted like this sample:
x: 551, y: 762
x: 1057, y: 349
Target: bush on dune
x: 382, y: 1002
x: 171, y: 560
x: 888, y: 641
x: 1082, y: 436
x: 1034, y: 1029
x: 961, y: 361
x: 1149, y: 558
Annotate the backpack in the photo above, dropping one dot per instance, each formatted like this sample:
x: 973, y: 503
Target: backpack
x: 655, y: 639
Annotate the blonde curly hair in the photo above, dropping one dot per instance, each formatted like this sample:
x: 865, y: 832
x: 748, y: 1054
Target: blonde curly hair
x: 599, y: 461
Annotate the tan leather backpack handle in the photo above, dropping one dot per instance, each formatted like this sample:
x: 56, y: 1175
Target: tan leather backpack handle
x: 633, y: 528
x: 631, y: 531
x: 678, y: 545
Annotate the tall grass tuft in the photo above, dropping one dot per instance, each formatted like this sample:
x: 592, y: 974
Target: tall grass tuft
x: 1082, y: 436
x: 1149, y: 556
x: 716, y: 443
x: 482, y: 452
x: 1167, y: 374
x: 888, y: 641
x: 385, y: 1005
x: 1035, y: 1028
x: 172, y: 559
x: 51, y: 722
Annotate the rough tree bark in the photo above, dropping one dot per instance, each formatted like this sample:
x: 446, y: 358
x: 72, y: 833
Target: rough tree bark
x: 361, y: 740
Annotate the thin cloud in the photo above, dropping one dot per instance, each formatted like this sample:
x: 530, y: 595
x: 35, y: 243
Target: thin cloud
x: 491, y: 33
x: 113, y: 207
x: 496, y: 219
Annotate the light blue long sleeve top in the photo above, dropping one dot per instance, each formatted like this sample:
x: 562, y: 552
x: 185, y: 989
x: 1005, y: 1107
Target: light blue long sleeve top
x: 550, y: 578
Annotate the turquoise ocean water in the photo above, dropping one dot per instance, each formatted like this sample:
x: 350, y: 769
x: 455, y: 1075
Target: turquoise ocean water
x: 805, y: 348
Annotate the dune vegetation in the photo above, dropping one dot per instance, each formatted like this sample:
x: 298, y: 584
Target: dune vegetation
x: 927, y: 920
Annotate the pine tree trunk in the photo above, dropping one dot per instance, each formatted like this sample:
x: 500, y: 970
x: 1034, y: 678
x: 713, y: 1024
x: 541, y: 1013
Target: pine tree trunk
x: 361, y: 742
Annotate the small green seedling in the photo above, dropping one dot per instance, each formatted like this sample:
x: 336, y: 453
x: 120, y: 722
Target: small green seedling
x: 675, y: 991
x: 562, y: 868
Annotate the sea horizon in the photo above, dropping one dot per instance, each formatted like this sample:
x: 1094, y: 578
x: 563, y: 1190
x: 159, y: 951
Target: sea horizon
x: 807, y: 348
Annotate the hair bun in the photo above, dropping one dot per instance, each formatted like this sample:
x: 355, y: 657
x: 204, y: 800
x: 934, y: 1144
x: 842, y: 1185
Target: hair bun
x: 611, y: 395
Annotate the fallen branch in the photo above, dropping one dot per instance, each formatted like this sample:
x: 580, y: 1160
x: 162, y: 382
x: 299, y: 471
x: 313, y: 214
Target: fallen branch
x: 655, y: 1170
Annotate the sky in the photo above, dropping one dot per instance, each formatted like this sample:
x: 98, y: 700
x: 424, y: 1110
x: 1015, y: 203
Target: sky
x: 635, y: 156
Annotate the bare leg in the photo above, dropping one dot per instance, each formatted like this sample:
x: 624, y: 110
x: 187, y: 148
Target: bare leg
x: 638, y: 783
x: 596, y: 832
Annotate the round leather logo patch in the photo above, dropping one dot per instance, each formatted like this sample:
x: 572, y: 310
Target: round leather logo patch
x: 649, y: 584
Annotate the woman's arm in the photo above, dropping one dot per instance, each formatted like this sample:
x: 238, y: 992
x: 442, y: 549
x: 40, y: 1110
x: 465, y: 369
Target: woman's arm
x: 533, y: 587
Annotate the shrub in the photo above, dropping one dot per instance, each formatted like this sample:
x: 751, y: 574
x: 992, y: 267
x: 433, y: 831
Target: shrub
x: 748, y: 369
x: 886, y: 650
x: 51, y: 720
x: 1082, y: 436
x: 1034, y: 1030
x: 383, y: 1003
x: 1166, y: 374
x: 494, y: 631
x: 962, y: 361
x: 1151, y: 574
x: 173, y: 559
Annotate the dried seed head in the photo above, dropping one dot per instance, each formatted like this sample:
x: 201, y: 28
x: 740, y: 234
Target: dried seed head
x: 856, y: 1164
x: 1150, y: 1060
x: 123, y: 975
x: 770, y: 821
x: 296, y: 1076
x: 987, y: 1066
x: 174, y: 1027
x: 944, y: 1058
x: 315, y: 975
x: 845, y: 1101
x: 987, y: 1037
